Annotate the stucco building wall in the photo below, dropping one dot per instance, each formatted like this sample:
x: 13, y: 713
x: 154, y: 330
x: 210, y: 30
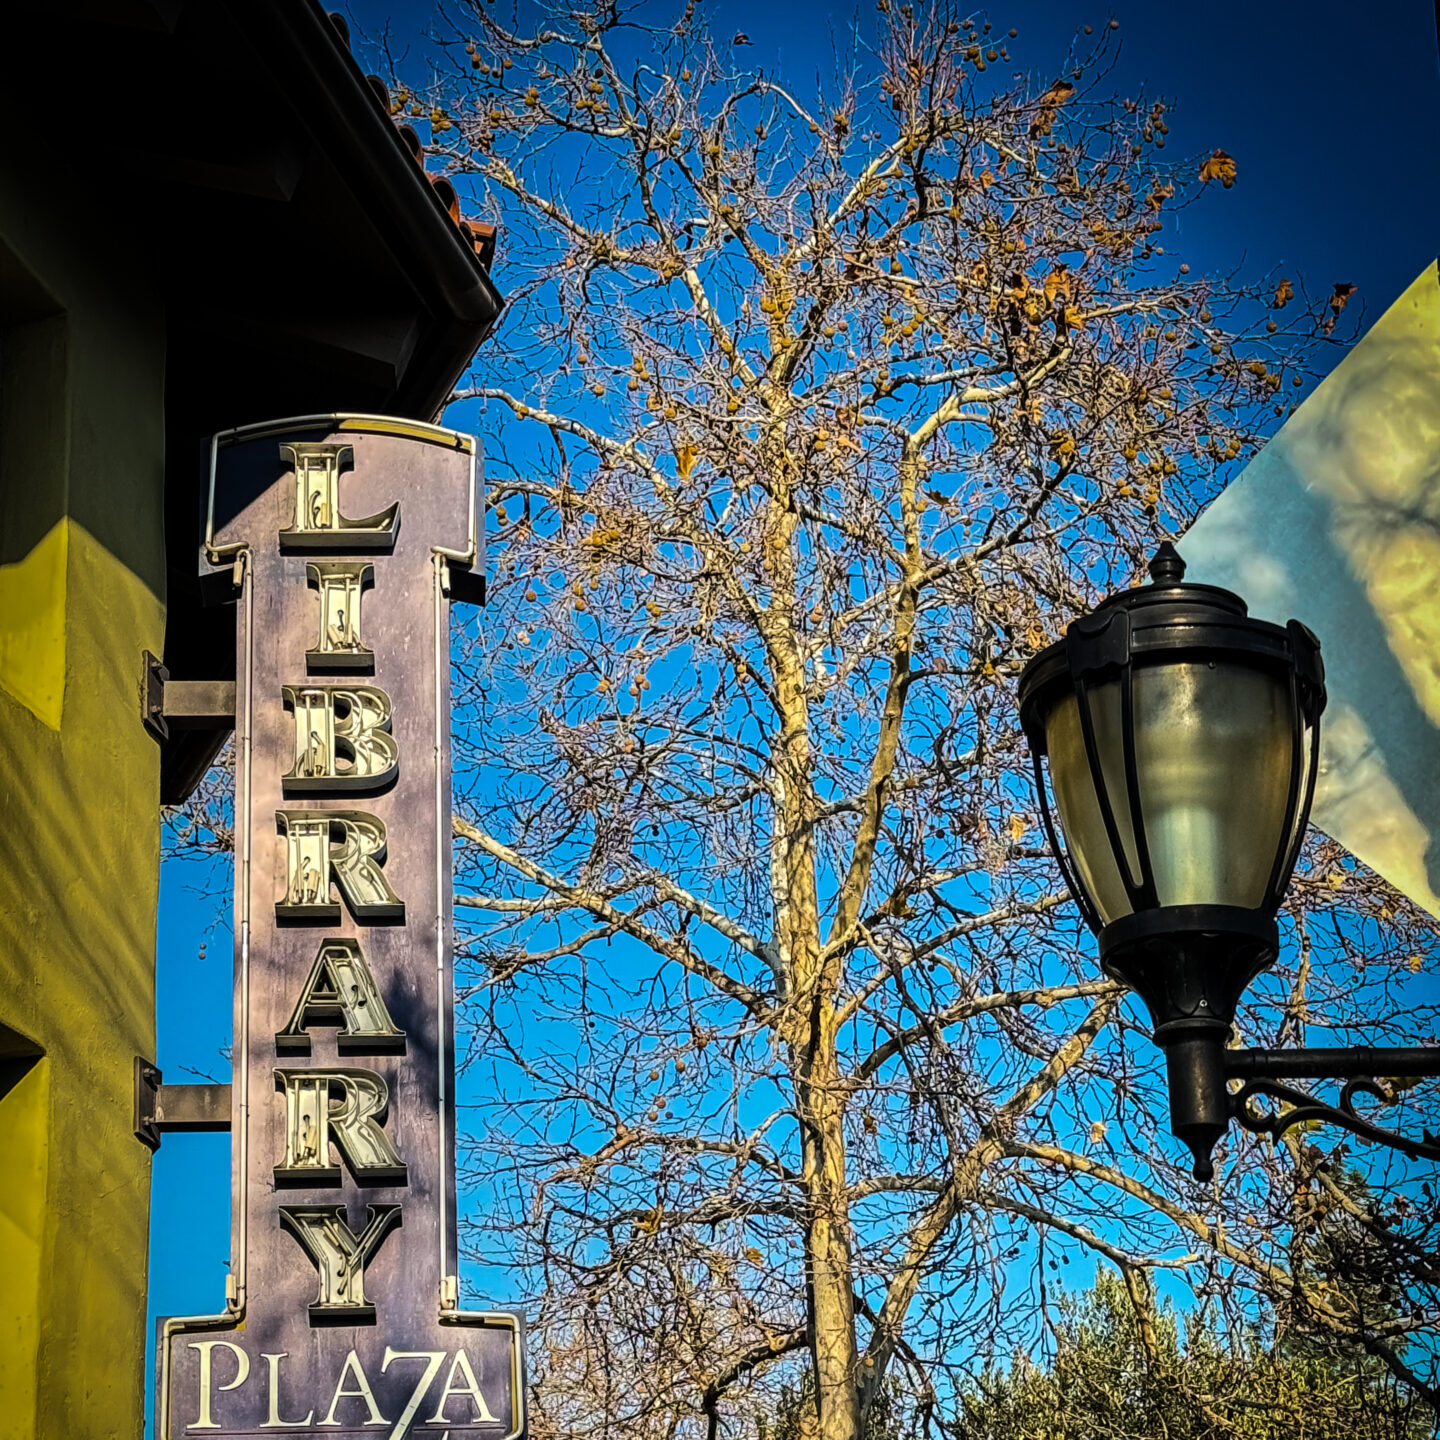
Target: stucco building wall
x: 81, y: 597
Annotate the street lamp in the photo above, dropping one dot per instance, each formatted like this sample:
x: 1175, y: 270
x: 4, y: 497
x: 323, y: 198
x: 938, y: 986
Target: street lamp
x: 1183, y: 739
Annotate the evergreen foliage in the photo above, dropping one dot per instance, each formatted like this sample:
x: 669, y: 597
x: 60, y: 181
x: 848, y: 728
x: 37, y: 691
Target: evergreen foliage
x: 1122, y: 1371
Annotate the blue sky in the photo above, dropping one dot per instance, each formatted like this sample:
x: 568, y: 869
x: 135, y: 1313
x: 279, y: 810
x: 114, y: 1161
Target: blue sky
x: 1330, y: 111
x: 1331, y: 114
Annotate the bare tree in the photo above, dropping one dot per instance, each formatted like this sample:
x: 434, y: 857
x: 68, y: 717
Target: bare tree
x: 814, y: 416
x: 204, y: 826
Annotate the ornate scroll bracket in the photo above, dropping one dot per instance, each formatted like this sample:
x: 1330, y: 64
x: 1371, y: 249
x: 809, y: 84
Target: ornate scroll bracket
x: 1305, y: 1107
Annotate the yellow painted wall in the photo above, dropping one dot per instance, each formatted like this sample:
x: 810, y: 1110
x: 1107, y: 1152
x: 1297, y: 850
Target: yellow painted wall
x: 25, y: 1106
x: 81, y: 597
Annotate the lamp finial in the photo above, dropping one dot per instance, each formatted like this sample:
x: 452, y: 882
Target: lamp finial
x: 1167, y: 568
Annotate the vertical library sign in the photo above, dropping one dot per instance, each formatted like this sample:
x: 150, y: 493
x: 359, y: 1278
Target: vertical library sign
x: 345, y: 538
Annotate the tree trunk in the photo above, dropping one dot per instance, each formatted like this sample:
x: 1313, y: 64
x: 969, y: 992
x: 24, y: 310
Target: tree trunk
x: 819, y: 1097
x: 813, y: 985
x: 828, y: 1261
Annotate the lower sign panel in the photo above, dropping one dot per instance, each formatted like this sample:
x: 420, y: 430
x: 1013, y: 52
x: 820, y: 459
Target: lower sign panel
x: 461, y: 1377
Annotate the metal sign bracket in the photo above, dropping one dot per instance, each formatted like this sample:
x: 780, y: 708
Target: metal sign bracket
x: 161, y: 1108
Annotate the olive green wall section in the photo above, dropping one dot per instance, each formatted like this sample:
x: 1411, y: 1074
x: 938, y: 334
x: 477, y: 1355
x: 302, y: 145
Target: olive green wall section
x: 33, y: 535
x: 25, y: 1130
x: 81, y: 597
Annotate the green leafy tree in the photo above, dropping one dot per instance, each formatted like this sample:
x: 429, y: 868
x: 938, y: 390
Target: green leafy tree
x: 1127, y: 1369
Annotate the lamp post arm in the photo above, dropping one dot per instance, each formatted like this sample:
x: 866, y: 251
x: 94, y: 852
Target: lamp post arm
x: 1264, y: 1071
x: 1334, y: 1063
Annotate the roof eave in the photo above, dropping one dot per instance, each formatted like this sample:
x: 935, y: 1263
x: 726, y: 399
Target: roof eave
x: 331, y: 95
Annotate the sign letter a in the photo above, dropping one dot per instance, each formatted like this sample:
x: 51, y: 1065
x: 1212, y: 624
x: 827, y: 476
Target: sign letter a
x: 461, y: 1381
x: 341, y: 989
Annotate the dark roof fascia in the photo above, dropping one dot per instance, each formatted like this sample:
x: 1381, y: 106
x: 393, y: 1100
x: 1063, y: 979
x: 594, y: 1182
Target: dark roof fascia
x: 329, y: 91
